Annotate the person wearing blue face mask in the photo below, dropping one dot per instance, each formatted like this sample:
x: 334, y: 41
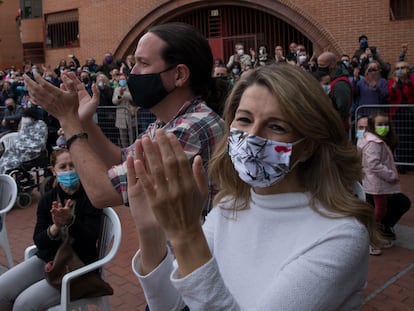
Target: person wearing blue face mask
x: 235, y: 74
x: 286, y: 227
x: 361, y: 127
x: 363, y: 44
x: 24, y: 286
x: 126, y: 112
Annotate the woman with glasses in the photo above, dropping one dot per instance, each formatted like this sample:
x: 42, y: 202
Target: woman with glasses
x: 371, y: 90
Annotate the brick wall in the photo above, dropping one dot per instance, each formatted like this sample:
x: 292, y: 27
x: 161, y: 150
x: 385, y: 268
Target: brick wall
x: 11, y: 52
x: 107, y: 25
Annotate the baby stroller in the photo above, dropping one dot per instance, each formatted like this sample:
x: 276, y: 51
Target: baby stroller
x: 28, y: 174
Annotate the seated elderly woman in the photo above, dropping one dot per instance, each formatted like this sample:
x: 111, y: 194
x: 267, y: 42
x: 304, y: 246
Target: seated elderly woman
x: 30, y: 141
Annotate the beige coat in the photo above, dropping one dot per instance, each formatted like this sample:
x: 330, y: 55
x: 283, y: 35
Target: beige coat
x: 124, y: 118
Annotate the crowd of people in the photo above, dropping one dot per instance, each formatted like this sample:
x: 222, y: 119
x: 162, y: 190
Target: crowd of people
x: 110, y: 77
x: 357, y: 85
x: 360, y: 87
x: 253, y: 199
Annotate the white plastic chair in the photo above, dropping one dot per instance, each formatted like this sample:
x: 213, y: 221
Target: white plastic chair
x: 110, y: 235
x: 359, y: 191
x: 8, y: 139
x: 8, y: 194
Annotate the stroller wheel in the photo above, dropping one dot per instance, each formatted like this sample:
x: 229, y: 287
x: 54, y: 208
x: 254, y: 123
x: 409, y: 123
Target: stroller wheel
x: 23, y: 200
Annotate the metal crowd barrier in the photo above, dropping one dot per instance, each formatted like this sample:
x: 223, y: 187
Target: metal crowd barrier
x: 402, y: 120
x: 136, y: 125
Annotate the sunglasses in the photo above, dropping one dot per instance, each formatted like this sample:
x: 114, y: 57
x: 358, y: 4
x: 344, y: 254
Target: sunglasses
x: 403, y: 67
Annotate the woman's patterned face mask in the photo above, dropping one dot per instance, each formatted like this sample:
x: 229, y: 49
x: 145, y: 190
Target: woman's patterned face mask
x: 259, y: 162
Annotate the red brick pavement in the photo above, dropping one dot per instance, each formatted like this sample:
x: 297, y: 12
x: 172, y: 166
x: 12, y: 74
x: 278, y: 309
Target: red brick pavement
x: 390, y: 279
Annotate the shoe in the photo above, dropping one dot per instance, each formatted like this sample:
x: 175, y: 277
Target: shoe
x: 374, y: 251
x: 402, y: 169
x: 388, y: 233
x: 387, y: 244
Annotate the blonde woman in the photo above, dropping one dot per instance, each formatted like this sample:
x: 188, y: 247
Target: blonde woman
x: 286, y: 232
x: 126, y: 113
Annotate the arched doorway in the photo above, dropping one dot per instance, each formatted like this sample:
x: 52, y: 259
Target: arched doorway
x: 226, y: 25
x: 276, y: 21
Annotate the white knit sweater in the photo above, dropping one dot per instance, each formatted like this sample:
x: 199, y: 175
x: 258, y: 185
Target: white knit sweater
x: 277, y: 255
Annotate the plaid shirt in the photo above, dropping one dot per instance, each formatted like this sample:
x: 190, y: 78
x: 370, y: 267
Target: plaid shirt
x: 198, y: 129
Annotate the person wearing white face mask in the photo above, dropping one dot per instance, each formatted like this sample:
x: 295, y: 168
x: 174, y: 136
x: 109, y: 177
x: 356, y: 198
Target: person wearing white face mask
x: 286, y: 227
x: 239, y: 56
x: 125, y: 119
x: 30, y: 141
x: 303, y: 61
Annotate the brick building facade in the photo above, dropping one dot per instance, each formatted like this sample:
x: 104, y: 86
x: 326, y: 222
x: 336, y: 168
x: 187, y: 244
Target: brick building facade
x: 106, y: 25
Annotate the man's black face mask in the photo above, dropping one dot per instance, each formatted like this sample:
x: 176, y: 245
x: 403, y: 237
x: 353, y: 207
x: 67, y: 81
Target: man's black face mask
x: 147, y: 90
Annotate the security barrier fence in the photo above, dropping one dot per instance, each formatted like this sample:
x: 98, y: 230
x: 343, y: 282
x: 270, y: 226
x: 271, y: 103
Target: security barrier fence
x: 105, y: 117
x: 135, y: 125
x: 402, y: 120
x: 401, y: 117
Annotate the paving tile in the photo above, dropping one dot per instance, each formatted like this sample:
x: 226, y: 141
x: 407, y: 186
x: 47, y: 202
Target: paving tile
x: 390, y: 276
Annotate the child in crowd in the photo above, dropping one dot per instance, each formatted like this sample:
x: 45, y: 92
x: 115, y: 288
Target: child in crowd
x: 361, y: 127
x: 381, y: 178
x: 324, y: 80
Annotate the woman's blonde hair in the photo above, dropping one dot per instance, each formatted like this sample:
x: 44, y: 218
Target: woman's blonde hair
x: 104, y: 78
x: 329, y: 174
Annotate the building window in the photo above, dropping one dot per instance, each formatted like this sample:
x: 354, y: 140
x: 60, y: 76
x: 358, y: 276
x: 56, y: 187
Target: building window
x: 30, y: 8
x: 62, y: 29
x: 401, y: 9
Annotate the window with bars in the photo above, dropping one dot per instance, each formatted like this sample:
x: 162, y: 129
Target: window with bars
x: 401, y: 9
x: 62, y: 29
